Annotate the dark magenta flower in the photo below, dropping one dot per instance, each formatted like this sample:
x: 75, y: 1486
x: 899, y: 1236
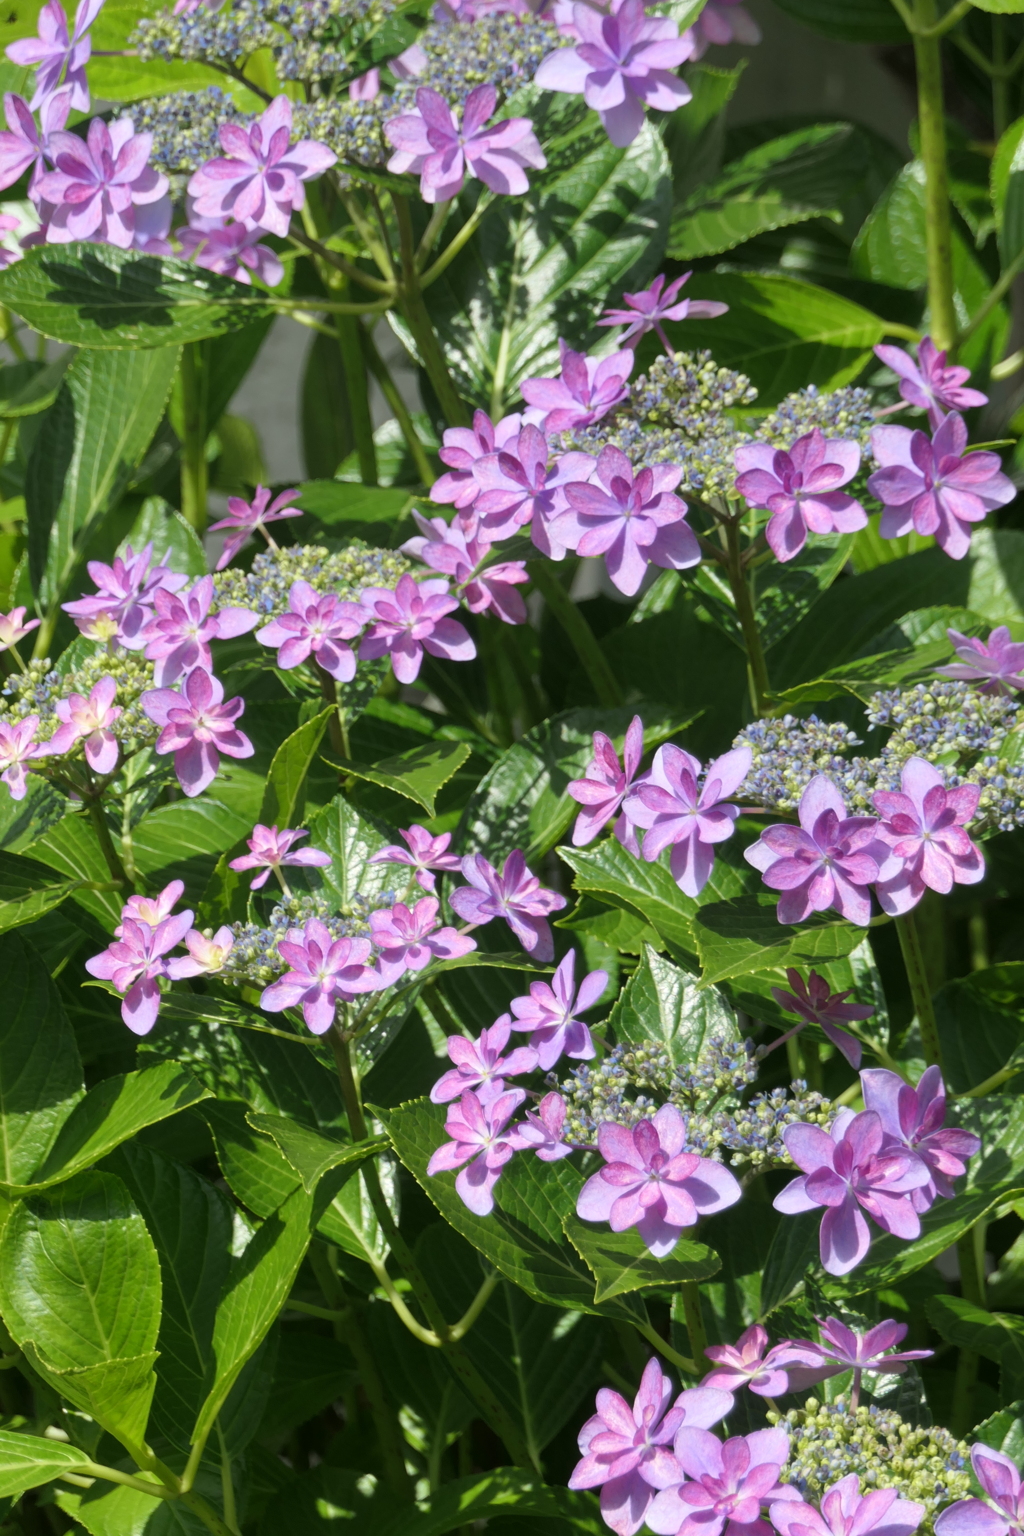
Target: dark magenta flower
x: 318, y: 625
x: 409, y: 620
x: 605, y: 785
x: 197, y: 726
x: 867, y: 1351
x: 260, y: 180
x: 829, y: 860
x: 179, y: 634
x: 548, y: 1013
x: 480, y: 1065
x: 270, y: 849
x: 789, y: 1366
x: 424, y: 854
x: 996, y: 663
x: 586, y: 389
x: 913, y: 1119
x: 726, y: 1484
x: 924, y: 827
x: 245, y: 517
x: 675, y: 813
x: 799, y: 486
x: 1002, y: 1509
x: 476, y: 1127
x: 515, y: 895
x: 234, y: 250
x: 430, y: 143
x: 934, y: 486
x: 814, y: 1002
x: 323, y: 971
x: 646, y: 310
x: 930, y: 383
x: 845, y: 1511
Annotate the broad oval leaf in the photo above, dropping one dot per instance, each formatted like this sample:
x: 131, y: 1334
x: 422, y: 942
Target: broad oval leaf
x: 26, y: 1461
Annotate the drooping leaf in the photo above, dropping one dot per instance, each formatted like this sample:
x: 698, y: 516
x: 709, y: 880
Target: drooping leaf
x: 621, y: 1263
x: 416, y: 775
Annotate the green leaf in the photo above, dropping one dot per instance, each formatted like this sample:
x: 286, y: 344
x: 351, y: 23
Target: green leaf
x: 794, y: 1247
x: 345, y: 503
x: 542, y: 266
x: 979, y: 1023
x: 890, y: 669
x: 662, y: 1003
x: 869, y: 21
x: 285, y: 796
x: 26, y: 388
x: 27, y: 1461
x: 1000, y: 7
x: 1007, y: 183
x: 40, y: 1074
x: 999, y: 1336
x: 171, y: 834
x: 1004, y: 1431
x: 89, y: 443
x: 487, y: 1496
x: 609, y: 871
x: 311, y: 1153
x: 351, y: 839
x: 100, y: 297
x: 523, y: 1236
x: 620, y: 1263
x: 27, y: 892
x: 176, y: 542
x: 80, y: 1294
x: 788, y: 180
x: 417, y: 775
x: 112, y: 1112
x: 695, y: 138
x: 72, y: 848
x: 737, y: 937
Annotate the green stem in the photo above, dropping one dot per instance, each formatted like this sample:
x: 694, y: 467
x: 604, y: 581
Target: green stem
x: 932, y: 128
x: 106, y: 842
x: 358, y: 388
x: 418, y: 320
x: 690, y: 1291
x: 595, y: 662
x: 347, y: 1082
x: 458, y: 241
x: 196, y: 430
x: 389, y: 389
x: 207, y: 1514
x: 757, y: 668
x: 227, y: 1485
x: 336, y: 726
x: 920, y: 988
x: 332, y: 259
x: 995, y: 296
x: 970, y: 1251
x: 650, y: 1333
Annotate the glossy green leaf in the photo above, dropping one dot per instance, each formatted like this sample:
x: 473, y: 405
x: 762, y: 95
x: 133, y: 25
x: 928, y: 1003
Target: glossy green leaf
x: 621, y: 1263
x: 890, y: 669
x: 609, y: 871
x: 27, y: 891
x: 29, y: 387
x: 285, y: 795
x: 101, y: 297
x: 27, y: 1461
x: 489, y: 1495
x: 345, y: 502
x: 1000, y: 7
x: 72, y: 848
x: 660, y: 1002
x: 1004, y: 1431
x: 351, y: 838
x: 793, y: 1249
x: 743, y: 935
x: 80, y: 1294
x: 310, y: 1153
x: 40, y: 1073
x: 172, y: 833
x: 1007, y: 183
x: 980, y: 1025
x: 999, y: 1336
x: 417, y: 775
x: 868, y: 21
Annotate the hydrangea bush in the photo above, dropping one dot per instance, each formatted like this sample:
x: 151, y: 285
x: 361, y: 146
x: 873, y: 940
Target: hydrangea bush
x: 511, y: 946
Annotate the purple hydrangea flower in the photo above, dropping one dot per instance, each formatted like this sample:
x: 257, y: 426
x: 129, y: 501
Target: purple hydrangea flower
x: 134, y: 963
x: 315, y: 625
x: 18, y: 747
x: 515, y: 895
x: 407, y: 940
x: 586, y: 389
x: 461, y: 447
x: 518, y: 486
x: 867, y: 1351
x: 814, y: 1002
x: 60, y: 56
x: 828, y: 861
x: 845, y: 1170
x: 929, y: 383
x: 645, y: 311
x: 934, y: 486
x: 675, y: 814
x: 97, y: 182
x: 123, y: 603
x: 92, y: 719
x: 912, y: 1119
x: 631, y: 518
x: 424, y: 854
x: 446, y: 547
x: 541, y: 1131
x: 996, y: 663
x: 605, y: 785
x: 409, y: 620
x: 727, y: 1484
x: 789, y: 1366
x: 650, y: 1183
x: 151, y: 910
x: 270, y: 849
x: 197, y: 726
x: 799, y: 486
x: 1002, y: 1509
x: 178, y: 636
x: 13, y: 627
x: 623, y: 64
x: 548, y: 1014
x: 205, y: 956
x: 845, y: 1511
x: 478, y: 1138
x: 245, y: 517
x: 24, y: 144
x: 924, y: 827
x: 260, y: 180
x: 323, y: 971
x: 626, y: 1449
x: 430, y: 143
x: 235, y: 250
x: 480, y: 1065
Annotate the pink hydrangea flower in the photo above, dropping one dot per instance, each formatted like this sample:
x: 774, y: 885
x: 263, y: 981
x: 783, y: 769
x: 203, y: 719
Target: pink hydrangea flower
x: 259, y: 181
x: 430, y: 143
x: 548, y: 1013
x: 848, y: 1171
x: 151, y: 910
x: 13, y: 627
x: 675, y: 814
x: 122, y: 605
x: 424, y: 854
x: 90, y: 719
x: 365, y: 87
x: 135, y: 962
x: 789, y: 1366
x: 929, y: 383
x: 924, y: 827
x: 800, y: 488
x: 935, y: 487
x: 650, y: 1183
x: 59, y: 56
x: 408, y: 939
x: 322, y: 971
x: 814, y: 1002
x: 245, y: 517
x: 586, y: 389
x: 515, y: 895
x: 1002, y: 1509
x: 270, y: 849
x: 477, y: 1128
x: 845, y: 1511
x: 631, y: 518
x: 623, y: 64
x: 871, y: 1350
x: 647, y: 310
x: 461, y: 448
x: 97, y: 182
x: 996, y: 663
x: 197, y: 726
x: 409, y: 620
x: 24, y: 144
x: 206, y: 956
x: 178, y: 636
x: 234, y: 250
x: 722, y: 22
x: 626, y: 1451
x: 316, y: 625
x: 541, y: 1131
x: 18, y: 746
x: 829, y: 860
x: 605, y: 785
x: 518, y: 486
x: 480, y: 1065
x: 913, y: 1119
x: 726, y: 1485
x: 446, y: 547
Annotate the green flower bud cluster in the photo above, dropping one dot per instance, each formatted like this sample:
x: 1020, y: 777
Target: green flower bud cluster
x: 185, y: 127
x: 756, y: 1129
x: 38, y: 690
x: 309, y: 39
x: 828, y: 1442
x: 255, y: 958
x: 265, y: 587
x: 840, y: 413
